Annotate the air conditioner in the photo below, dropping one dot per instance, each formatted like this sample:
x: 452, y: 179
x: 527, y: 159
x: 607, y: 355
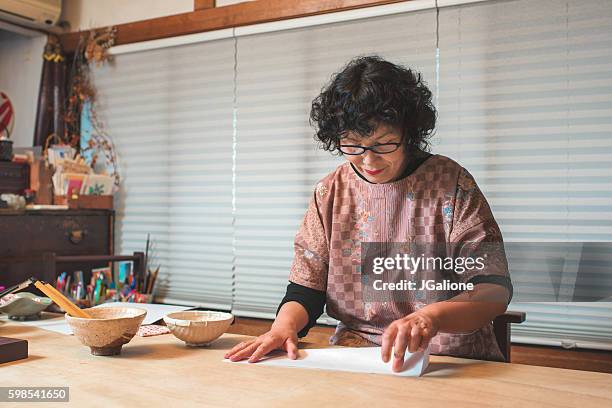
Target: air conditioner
x: 31, y: 13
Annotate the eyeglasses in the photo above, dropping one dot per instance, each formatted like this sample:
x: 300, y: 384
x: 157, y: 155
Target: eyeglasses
x: 355, y: 150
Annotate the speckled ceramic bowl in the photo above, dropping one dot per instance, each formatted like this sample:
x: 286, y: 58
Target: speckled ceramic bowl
x: 108, y: 329
x: 23, y: 305
x: 198, y: 328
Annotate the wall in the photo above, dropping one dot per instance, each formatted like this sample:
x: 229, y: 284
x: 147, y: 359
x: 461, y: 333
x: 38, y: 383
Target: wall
x: 21, y: 62
x: 20, y: 70
x: 221, y: 3
x: 86, y: 14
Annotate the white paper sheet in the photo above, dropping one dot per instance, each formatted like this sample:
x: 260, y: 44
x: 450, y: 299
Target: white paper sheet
x: 353, y: 359
x: 154, y: 311
x: 58, y: 323
x: 51, y: 322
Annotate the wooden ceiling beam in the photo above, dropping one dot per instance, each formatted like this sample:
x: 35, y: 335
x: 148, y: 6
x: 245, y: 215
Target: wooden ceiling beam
x: 236, y: 15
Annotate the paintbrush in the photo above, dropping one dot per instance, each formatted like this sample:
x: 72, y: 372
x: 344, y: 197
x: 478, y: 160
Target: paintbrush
x: 17, y: 287
x: 152, y: 282
x: 146, y: 281
x: 146, y: 263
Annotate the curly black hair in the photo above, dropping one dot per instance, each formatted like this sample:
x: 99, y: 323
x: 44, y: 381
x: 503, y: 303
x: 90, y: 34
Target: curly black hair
x: 370, y: 91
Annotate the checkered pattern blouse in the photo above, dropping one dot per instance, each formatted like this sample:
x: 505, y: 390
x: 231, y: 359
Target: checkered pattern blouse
x: 438, y: 202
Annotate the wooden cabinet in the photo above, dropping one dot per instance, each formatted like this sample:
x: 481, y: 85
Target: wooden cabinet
x: 25, y: 236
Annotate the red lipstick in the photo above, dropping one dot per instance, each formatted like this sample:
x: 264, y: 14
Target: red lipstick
x: 373, y: 172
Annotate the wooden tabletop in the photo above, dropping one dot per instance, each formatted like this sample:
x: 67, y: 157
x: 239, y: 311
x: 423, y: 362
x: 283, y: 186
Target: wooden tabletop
x: 161, y: 371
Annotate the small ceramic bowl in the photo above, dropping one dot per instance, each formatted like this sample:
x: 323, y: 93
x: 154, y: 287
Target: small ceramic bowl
x: 23, y: 305
x: 198, y: 328
x: 108, y: 329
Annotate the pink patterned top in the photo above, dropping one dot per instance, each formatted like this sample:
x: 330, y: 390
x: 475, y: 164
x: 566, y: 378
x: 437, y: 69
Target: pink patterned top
x: 438, y: 202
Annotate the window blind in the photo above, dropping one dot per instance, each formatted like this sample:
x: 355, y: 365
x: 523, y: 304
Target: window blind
x: 169, y: 112
x: 278, y: 162
x: 524, y: 93
x: 525, y: 105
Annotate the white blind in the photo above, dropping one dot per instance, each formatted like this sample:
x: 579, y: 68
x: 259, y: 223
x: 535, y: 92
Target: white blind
x: 169, y: 112
x: 526, y: 106
x: 278, y: 161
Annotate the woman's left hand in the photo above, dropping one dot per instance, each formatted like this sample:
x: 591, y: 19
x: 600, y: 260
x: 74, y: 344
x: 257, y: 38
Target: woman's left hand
x: 412, y: 332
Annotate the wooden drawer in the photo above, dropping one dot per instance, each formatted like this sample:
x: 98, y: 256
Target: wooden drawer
x: 26, y: 236
x: 65, y: 233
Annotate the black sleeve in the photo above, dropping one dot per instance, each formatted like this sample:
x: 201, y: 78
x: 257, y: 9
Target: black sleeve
x: 497, y: 280
x: 313, y: 301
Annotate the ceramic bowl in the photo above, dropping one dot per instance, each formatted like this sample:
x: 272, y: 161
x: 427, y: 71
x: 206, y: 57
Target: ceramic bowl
x: 108, y: 329
x: 23, y: 305
x: 198, y: 328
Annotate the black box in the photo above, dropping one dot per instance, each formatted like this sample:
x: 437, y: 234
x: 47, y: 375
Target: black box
x: 14, y: 177
x: 12, y: 349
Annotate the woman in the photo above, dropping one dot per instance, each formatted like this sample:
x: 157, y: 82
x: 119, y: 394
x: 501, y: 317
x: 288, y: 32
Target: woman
x: 379, y: 115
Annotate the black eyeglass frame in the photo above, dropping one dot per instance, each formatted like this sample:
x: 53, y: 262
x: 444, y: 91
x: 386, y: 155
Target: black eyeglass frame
x: 372, y: 148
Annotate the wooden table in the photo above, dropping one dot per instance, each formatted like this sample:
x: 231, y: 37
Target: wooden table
x: 161, y: 371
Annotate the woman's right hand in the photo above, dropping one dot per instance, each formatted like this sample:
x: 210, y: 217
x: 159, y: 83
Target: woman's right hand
x: 278, y: 338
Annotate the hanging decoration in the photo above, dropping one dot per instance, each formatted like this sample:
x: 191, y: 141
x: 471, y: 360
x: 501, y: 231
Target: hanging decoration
x: 98, y: 45
x: 7, y: 122
x: 7, y: 116
x: 83, y: 129
x: 52, y: 95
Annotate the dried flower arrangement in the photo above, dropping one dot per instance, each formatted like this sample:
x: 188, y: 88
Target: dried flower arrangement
x: 81, y: 101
